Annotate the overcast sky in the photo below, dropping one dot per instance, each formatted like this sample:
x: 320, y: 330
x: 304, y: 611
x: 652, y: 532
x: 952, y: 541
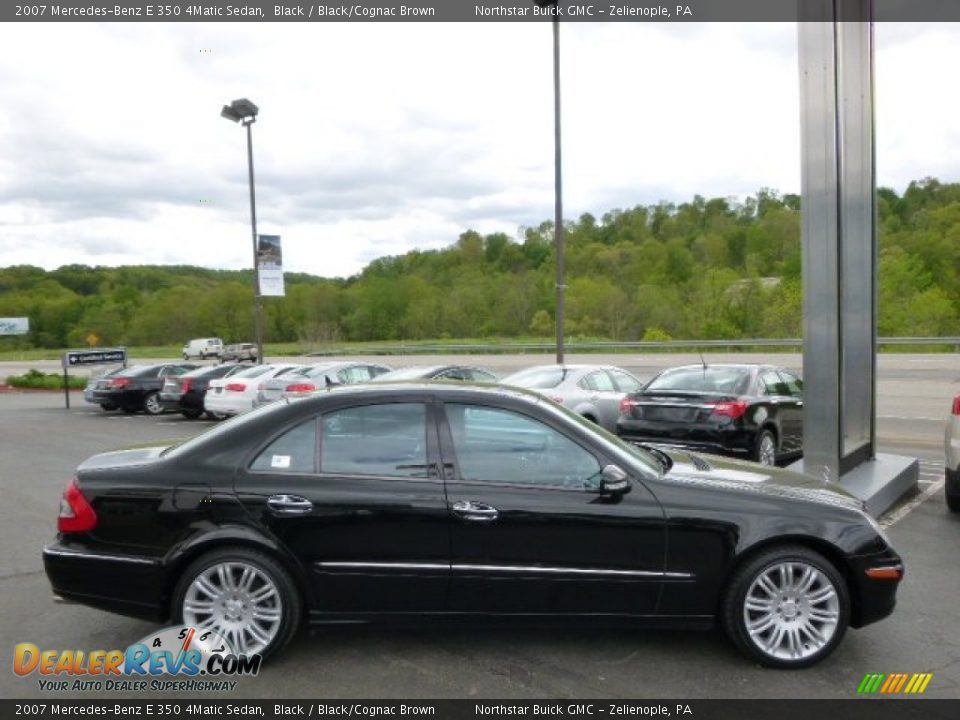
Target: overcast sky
x: 374, y: 139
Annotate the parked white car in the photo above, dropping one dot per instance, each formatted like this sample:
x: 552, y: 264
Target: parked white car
x: 235, y: 394
x: 203, y: 348
x: 951, y: 487
x: 316, y: 377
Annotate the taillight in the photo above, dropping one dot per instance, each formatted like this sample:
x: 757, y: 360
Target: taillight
x: 236, y: 387
x: 730, y: 408
x: 955, y: 410
x: 301, y: 387
x: 627, y: 405
x: 185, y: 384
x: 119, y: 382
x: 76, y: 514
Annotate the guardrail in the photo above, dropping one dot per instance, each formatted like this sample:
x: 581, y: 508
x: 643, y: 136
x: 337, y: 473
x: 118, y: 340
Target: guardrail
x: 613, y: 345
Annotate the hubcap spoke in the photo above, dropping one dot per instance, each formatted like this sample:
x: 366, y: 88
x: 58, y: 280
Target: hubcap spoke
x: 238, y: 601
x: 791, y: 610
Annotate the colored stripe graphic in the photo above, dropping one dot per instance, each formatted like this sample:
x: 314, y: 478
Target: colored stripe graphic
x: 894, y: 683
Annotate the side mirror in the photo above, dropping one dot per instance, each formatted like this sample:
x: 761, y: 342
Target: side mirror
x: 614, y: 481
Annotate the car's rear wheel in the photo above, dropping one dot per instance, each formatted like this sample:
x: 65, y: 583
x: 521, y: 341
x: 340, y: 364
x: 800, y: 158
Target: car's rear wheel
x: 216, y: 415
x: 244, y: 595
x: 788, y: 607
x: 152, y: 404
x: 186, y: 357
x: 951, y: 489
x: 765, y: 451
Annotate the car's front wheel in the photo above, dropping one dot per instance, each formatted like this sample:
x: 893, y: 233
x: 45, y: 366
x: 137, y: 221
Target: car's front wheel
x: 788, y: 607
x: 765, y: 450
x: 242, y: 594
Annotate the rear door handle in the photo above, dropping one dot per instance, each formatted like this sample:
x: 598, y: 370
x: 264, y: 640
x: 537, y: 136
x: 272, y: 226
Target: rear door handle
x: 475, y: 511
x: 289, y: 505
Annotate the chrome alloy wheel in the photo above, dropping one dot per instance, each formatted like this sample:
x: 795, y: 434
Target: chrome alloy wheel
x: 768, y: 450
x: 791, y: 610
x: 239, y: 601
x: 152, y: 404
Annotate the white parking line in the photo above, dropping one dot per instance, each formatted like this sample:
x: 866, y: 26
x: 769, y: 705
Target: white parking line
x: 910, y: 417
x: 900, y: 514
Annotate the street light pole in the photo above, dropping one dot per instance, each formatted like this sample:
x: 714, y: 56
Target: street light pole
x: 245, y: 112
x: 257, y: 298
x: 558, y: 194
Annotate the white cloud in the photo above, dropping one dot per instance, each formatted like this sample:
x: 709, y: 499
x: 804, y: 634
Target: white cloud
x: 377, y: 138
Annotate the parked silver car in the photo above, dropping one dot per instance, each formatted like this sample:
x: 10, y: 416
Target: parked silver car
x: 593, y: 391
x: 951, y: 487
x: 317, y: 377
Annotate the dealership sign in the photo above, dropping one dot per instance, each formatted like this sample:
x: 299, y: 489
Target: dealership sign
x: 72, y: 358
x: 14, y: 326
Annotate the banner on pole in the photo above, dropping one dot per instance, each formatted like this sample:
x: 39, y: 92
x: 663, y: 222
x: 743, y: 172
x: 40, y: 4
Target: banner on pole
x: 270, y: 265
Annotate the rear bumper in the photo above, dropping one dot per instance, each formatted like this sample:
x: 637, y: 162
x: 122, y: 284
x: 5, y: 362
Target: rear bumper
x: 118, y: 397
x: 227, y: 403
x: 127, y: 584
x: 732, y: 440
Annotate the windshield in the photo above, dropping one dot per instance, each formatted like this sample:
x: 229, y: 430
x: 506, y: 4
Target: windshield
x: 252, y: 372
x: 708, y: 379
x: 218, y: 430
x: 537, y: 378
x: 410, y: 373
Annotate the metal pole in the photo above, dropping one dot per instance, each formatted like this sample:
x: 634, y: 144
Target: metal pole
x: 257, y: 299
x: 66, y: 387
x: 558, y: 192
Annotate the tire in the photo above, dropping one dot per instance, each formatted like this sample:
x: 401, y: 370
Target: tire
x: 152, y: 404
x: 280, y: 608
x: 765, y: 448
x: 951, y: 490
x: 591, y: 418
x: 107, y: 407
x: 785, y: 633
x: 186, y: 357
x: 215, y: 416
x: 191, y: 414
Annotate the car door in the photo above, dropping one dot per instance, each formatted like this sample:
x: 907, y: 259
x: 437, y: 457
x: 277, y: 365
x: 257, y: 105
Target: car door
x: 794, y: 413
x: 530, y: 533
x: 604, y: 396
x: 783, y: 406
x: 354, y: 494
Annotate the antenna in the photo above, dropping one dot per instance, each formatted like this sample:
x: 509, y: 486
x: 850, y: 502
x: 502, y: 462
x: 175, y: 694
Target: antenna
x: 702, y: 361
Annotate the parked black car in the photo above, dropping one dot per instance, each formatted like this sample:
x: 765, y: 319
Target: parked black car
x: 439, y: 372
x: 137, y: 388
x: 185, y: 393
x: 445, y: 502
x: 748, y: 411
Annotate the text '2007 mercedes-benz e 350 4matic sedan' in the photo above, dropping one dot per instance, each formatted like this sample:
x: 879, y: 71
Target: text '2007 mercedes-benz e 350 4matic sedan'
x: 462, y: 503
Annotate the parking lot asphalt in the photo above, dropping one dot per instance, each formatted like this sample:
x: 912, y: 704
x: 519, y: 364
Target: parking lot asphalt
x: 42, y: 443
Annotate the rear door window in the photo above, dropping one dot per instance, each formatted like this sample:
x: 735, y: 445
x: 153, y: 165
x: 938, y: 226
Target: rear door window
x: 293, y: 452
x: 625, y: 383
x: 387, y: 440
x: 598, y: 381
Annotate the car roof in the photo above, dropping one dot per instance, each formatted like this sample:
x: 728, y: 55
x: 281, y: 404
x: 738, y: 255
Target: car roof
x: 447, y: 388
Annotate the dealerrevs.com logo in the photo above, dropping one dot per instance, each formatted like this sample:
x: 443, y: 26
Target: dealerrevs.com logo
x: 894, y: 683
x: 203, y: 657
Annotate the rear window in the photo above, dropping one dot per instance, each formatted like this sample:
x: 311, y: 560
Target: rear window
x: 410, y: 373
x: 139, y: 371
x: 252, y: 372
x: 538, y: 378
x: 710, y: 379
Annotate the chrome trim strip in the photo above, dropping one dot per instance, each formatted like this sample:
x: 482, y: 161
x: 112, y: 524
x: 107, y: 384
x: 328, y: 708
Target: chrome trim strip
x: 466, y: 567
x: 99, y: 556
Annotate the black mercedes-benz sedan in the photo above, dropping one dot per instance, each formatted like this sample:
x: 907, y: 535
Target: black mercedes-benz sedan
x: 748, y: 411
x: 137, y: 387
x: 463, y: 503
x: 185, y: 393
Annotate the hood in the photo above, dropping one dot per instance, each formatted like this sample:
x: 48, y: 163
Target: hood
x: 732, y: 474
x: 123, y: 458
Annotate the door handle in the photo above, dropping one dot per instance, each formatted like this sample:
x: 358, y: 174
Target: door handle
x: 289, y: 505
x: 476, y: 511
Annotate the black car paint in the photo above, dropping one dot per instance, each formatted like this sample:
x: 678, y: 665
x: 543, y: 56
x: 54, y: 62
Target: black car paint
x: 142, y: 381
x: 701, y: 430
x: 689, y: 527
x: 192, y: 400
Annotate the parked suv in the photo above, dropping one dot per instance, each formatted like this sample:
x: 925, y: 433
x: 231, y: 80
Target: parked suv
x: 239, y: 352
x: 203, y: 348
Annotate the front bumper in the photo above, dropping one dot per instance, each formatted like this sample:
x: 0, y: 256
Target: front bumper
x: 873, y: 598
x: 118, y: 582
